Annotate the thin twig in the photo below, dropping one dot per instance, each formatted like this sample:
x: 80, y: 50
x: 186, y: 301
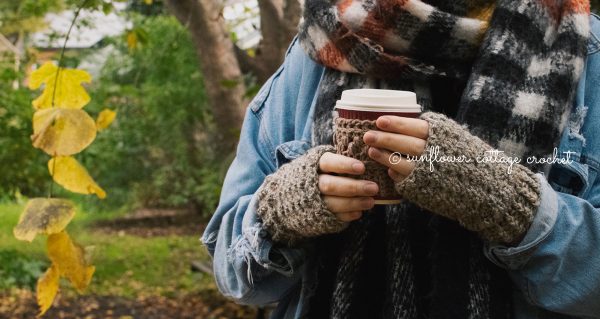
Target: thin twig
x: 60, y: 61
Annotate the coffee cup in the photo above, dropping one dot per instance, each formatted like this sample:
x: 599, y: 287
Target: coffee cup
x: 357, y: 110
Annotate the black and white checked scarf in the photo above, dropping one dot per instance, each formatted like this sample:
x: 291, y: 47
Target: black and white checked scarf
x: 521, y: 64
x: 510, y: 76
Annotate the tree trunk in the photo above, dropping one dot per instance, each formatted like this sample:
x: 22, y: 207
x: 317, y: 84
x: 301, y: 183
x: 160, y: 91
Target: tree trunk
x: 278, y: 25
x: 223, y: 77
x: 222, y: 62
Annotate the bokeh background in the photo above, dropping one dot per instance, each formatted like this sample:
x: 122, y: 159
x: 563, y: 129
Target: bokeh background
x: 179, y: 73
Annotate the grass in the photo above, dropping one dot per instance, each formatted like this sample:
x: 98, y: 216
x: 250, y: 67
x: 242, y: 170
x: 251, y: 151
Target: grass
x: 126, y: 266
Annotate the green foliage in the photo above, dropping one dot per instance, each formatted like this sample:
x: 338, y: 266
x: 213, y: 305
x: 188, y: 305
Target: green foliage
x: 23, y: 170
x: 127, y: 265
x: 157, y: 153
x: 19, y: 270
x: 157, y: 7
x: 25, y: 15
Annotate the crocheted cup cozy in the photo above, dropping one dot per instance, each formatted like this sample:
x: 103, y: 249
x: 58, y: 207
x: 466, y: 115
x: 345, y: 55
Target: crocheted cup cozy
x: 348, y: 141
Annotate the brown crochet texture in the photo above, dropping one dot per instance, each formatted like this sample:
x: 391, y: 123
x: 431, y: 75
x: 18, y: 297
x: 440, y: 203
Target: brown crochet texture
x: 348, y: 141
x: 290, y: 203
x: 483, y: 197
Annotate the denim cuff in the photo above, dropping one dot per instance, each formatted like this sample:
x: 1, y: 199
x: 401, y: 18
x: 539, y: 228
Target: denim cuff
x: 256, y: 243
x: 514, y: 257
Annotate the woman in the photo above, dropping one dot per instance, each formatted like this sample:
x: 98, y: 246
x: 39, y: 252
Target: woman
x: 490, y: 74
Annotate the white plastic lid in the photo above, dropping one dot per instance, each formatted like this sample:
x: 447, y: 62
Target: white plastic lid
x: 375, y: 100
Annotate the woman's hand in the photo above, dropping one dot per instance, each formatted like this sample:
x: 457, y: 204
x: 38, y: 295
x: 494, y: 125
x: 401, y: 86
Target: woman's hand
x: 344, y: 196
x: 403, y: 135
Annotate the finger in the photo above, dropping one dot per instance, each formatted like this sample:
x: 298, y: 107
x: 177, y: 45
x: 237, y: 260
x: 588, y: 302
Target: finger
x: 404, y: 125
x: 346, y: 186
x: 395, y: 142
x: 397, y: 177
x: 348, y: 217
x: 336, y: 163
x: 338, y: 204
x: 392, y: 160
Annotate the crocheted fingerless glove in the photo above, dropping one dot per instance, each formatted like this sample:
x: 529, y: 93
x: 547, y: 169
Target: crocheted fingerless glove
x: 290, y: 203
x: 483, y: 197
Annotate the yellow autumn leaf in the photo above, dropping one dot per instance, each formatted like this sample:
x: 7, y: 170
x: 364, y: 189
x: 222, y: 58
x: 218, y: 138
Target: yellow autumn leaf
x: 70, y: 261
x: 61, y: 132
x: 105, y: 118
x: 132, y: 40
x: 68, y: 173
x: 148, y: 2
x: 47, y: 287
x: 44, y: 216
x: 66, y: 88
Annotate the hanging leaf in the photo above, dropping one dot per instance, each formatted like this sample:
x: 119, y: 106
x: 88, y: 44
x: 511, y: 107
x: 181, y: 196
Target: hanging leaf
x: 132, y: 40
x: 47, y: 287
x: 105, y: 118
x: 43, y: 216
x: 62, y: 131
x: 68, y: 173
x: 68, y: 91
x: 136, y: 37
x: 69, y: 258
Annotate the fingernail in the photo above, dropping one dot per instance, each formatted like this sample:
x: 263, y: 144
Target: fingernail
x: 357, y: 167
x: 371, y: 188
x: 384, y: 122
x: 369, y: 202
x: 393, y: 174
x: 370, y: 137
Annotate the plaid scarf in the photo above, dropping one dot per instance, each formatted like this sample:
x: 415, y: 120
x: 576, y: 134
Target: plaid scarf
x: 522, y: 64
x: 507, y: 69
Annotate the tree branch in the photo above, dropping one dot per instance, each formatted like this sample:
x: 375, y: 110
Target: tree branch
x: 247, y: 63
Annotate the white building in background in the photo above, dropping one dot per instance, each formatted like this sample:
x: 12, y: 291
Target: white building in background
x: 242, y: 17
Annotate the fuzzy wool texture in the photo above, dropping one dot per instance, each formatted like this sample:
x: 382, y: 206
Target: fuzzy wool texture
x: 290, y: 203
x: 520, y: 64
x: 482, y: 196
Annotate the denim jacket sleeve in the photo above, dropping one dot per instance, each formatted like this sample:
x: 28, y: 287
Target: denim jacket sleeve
x: 557, y: 264
x: 248, y: 266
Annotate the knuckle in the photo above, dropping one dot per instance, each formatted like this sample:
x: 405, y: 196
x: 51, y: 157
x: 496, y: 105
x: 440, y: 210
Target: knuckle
x: 328, y: 204
x: 416, y: 146
x: 386, y: 139
x: 325, y: 184
x: 424, y: 128
x: 364, y: 203
x: 400, y: 123
x: 356, y: 188
x: 324, y: 160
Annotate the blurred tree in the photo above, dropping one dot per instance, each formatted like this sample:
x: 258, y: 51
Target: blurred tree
x: 23, y: 16
x: 22, y: 166
x: 158, y: 153
x: 223, y: 63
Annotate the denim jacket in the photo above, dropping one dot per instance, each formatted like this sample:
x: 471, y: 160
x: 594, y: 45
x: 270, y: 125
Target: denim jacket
x: 555, y: 268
